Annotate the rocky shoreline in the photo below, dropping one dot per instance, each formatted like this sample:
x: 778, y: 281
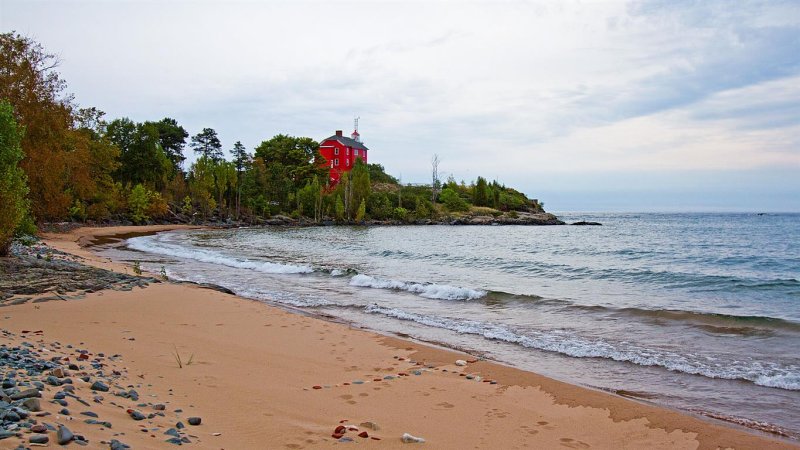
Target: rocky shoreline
x: 37, y: 273
x: 53, y: 392
x: 515, y: 218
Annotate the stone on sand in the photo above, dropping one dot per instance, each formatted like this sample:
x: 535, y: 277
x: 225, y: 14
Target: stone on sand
x: 409, y: 439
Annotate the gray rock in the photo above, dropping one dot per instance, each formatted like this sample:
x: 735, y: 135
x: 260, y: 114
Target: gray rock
x: 27, y: 393
x: 6, y: 434
x: 117, y: 445
x: 136, y: 415
x: 32, y: 404
x: 194, y: 421
x: 39, y: 439
x: 10, y: 416
x: 99, y: 386
x: 64, y: 435
x: 584, y: 223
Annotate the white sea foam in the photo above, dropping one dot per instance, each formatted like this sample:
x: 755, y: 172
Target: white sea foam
x: 433, y: 291
x: 147, y: 244
x: 784, y: 381
x: 285, y: 298
x: 338, y: 272
x: 783, y: 377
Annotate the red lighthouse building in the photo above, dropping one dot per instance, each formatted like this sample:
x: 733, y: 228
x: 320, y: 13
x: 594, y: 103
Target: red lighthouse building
x: 341, y: 153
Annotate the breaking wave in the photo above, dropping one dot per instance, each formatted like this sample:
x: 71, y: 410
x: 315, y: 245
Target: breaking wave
x: 433, y: 291
x: 146, y: 244
x: 563, y: 342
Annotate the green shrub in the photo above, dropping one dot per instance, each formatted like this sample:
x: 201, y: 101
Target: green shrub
x: 77, y: 211
x: 400, y: 213
x: 362, y: 210
x: 138, y: 204
x: 186, y: 208
x: 452, y: 200
x: 26, y: 227
x: 13, y: 183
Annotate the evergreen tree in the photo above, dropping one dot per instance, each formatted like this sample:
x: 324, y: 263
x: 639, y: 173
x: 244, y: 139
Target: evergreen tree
x: 141, y: 156
x: 207, y: 144
x: 240, y: 160
x: 480, y: 195
x: 172, y: 138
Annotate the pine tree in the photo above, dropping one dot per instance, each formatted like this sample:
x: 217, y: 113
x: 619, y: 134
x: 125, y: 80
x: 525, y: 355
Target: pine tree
x: 207, y: 144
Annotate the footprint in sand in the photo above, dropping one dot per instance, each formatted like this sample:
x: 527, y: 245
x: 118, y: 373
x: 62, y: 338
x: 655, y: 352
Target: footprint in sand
x: 572, y: 443
x: 545, y: 425
x: 446, y: 405
x: 346, y: 396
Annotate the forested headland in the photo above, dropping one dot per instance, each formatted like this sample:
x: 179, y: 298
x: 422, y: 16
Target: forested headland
x: 61, y: 161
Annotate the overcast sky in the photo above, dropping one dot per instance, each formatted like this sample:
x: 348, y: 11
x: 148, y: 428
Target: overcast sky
x: 622, y: 106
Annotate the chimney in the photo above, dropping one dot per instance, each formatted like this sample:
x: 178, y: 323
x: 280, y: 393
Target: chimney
x: 338, y: 132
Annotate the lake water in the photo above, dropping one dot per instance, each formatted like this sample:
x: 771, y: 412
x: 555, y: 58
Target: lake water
x: 699, y: 312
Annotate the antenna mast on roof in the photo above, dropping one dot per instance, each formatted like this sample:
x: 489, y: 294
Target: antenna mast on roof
x: 355, y: 135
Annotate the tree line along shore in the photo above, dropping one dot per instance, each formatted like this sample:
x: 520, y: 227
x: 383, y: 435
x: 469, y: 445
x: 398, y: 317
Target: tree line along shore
x: 63, y: 162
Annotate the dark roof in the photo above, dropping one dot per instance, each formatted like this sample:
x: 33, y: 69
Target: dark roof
x: 346, y: 141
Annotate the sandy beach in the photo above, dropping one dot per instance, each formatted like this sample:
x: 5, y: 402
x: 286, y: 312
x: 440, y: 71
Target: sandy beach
x: 263, y: 377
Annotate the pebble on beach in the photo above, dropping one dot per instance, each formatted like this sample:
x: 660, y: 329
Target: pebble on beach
x: 409, y: 439
x: 99, y: 386
x: 461, y: 363
x: 64, y: 435
x: 39, y: 439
